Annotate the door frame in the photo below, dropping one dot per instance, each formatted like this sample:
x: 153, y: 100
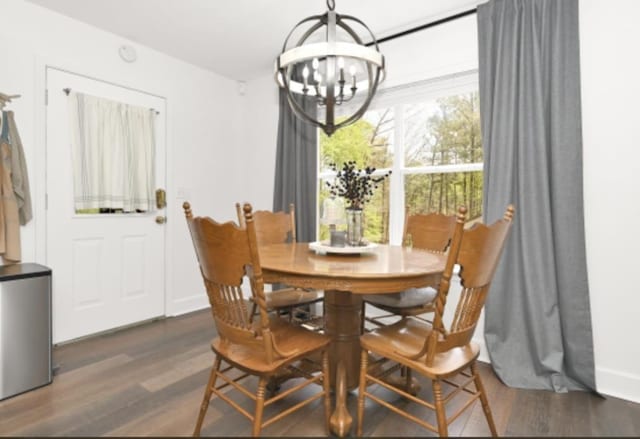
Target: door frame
x: 39, y: 199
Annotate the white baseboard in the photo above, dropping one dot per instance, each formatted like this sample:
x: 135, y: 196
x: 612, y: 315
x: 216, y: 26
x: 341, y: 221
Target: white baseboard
x: 618, y: 384
x: 187, y: 305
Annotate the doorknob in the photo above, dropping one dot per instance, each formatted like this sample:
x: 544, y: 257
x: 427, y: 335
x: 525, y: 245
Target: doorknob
x: 161, y: 219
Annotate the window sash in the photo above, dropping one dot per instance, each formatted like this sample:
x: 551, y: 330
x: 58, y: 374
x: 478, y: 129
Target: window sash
x: 398, y: 97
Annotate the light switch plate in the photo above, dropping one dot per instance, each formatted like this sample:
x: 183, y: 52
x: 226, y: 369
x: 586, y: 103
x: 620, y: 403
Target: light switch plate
x: 183, y: 193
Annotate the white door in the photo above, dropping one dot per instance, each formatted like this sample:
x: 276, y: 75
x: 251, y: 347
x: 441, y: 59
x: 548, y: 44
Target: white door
x: 108, y: 269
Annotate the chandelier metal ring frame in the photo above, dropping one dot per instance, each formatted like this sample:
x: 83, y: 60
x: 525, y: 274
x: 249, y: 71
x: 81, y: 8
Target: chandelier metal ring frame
x: 332, y: 53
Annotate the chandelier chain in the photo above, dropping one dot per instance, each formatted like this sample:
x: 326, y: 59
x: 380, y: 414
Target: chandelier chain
x: 331, y: 4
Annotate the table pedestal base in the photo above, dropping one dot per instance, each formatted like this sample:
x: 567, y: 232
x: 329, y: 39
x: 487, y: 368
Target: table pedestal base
x: 342, y: 324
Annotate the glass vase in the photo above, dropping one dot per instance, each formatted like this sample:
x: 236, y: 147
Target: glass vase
x: 354, y: 227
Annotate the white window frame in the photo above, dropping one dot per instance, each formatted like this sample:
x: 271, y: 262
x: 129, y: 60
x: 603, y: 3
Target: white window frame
x: 396, y: 98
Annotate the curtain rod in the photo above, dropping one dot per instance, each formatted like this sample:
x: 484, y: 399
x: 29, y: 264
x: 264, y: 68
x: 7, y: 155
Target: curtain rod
x: 68, y: 90
x: 426, y: 26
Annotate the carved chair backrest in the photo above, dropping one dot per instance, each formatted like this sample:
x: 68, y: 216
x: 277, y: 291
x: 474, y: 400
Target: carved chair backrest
x: 431, y: 231
x: 272, y: 227
x: 227, y: 254
x: 477, y: 252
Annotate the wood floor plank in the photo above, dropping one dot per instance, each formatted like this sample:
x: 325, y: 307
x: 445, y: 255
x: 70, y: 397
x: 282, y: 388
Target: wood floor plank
x: 530, y: 414
x: 65, y: 392
x: 166, y: 401
x: 179, y: 371
x: 149, y: 381
x: 85, y: 420
x: 500, y: 401
x: 613, y: 417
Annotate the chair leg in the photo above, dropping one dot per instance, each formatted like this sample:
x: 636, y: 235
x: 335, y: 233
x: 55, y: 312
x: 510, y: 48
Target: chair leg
x: 440, y: 411
x: 484, y: 400
x: 364, y: 360
x: 408, y: 376
x: 207, y: 395
x: 326, y: 385
x: 254, y: 308
x: 257, y: 418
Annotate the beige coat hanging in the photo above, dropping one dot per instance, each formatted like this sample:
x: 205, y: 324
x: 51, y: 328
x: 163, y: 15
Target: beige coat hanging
x: 10, y: 247
x: 19, y: 176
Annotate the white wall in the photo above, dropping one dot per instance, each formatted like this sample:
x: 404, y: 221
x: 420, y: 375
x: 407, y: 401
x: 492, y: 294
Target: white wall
x: 609, y: 37
x: 610, y: 90
x: 260, y: 108
x: 203, y: 123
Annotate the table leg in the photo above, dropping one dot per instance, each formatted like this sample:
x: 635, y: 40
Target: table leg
x: 341, y: 419
x: 342, y: 324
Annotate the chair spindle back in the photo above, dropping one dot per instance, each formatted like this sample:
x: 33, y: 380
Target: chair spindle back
x: 227, y: 254
x: 477, y: 252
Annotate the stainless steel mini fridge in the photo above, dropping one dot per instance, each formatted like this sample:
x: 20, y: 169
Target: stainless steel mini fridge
x: 25, y: 328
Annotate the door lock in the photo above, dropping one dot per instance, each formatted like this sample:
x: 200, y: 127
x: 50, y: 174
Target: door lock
x: 161, y: 219
x: 161, y: 199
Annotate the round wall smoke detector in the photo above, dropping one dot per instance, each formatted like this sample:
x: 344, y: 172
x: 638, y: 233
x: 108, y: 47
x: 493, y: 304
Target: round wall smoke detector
x: 128, y: 53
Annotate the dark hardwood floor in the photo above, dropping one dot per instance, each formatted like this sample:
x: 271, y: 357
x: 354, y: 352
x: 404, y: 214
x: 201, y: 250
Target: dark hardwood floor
x: 148, y: 381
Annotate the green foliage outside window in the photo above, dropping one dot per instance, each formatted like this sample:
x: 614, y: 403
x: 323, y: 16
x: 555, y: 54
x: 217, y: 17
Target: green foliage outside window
x: 444, y: 132
x: 450, y: 136
x: 367, y: 145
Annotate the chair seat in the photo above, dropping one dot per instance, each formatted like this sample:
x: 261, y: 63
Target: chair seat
x: 407, y: 336
x: 410, y: 298
x: 289, y: 297
x: 288, y: 338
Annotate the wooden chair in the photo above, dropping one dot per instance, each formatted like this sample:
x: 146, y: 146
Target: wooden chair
x: 430, y: 232
x: 274, y: 228
x: 440, y: 354
x: 227, y: 254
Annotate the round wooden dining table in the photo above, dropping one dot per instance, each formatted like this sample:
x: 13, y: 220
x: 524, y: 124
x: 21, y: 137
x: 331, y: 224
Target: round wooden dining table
x: 344, y: 277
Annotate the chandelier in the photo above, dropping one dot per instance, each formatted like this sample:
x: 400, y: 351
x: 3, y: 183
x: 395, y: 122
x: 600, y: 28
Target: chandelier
x: 330, y: 64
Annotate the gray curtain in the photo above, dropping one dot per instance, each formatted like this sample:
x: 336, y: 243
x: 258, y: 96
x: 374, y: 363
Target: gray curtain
x: 538, y: 318
x: 296, y: 167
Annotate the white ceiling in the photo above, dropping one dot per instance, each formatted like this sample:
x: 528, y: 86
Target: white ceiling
x: 238, y: 39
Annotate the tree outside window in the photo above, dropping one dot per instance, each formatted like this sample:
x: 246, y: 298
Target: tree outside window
x: 433, y: 146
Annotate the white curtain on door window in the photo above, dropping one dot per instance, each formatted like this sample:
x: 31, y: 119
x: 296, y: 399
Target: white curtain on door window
x: 113, y: 154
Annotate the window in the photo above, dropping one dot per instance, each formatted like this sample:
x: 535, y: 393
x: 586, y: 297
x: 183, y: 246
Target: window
x: 113, y: 155
x: 428, y: 135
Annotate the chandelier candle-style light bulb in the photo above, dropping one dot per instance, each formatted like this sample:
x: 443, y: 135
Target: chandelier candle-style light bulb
x: 305, y: 75
x: 352, y: 72
x: 339, y: 44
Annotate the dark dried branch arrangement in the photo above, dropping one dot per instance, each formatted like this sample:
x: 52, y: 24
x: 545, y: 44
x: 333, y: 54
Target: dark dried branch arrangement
x: 355, y: 185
